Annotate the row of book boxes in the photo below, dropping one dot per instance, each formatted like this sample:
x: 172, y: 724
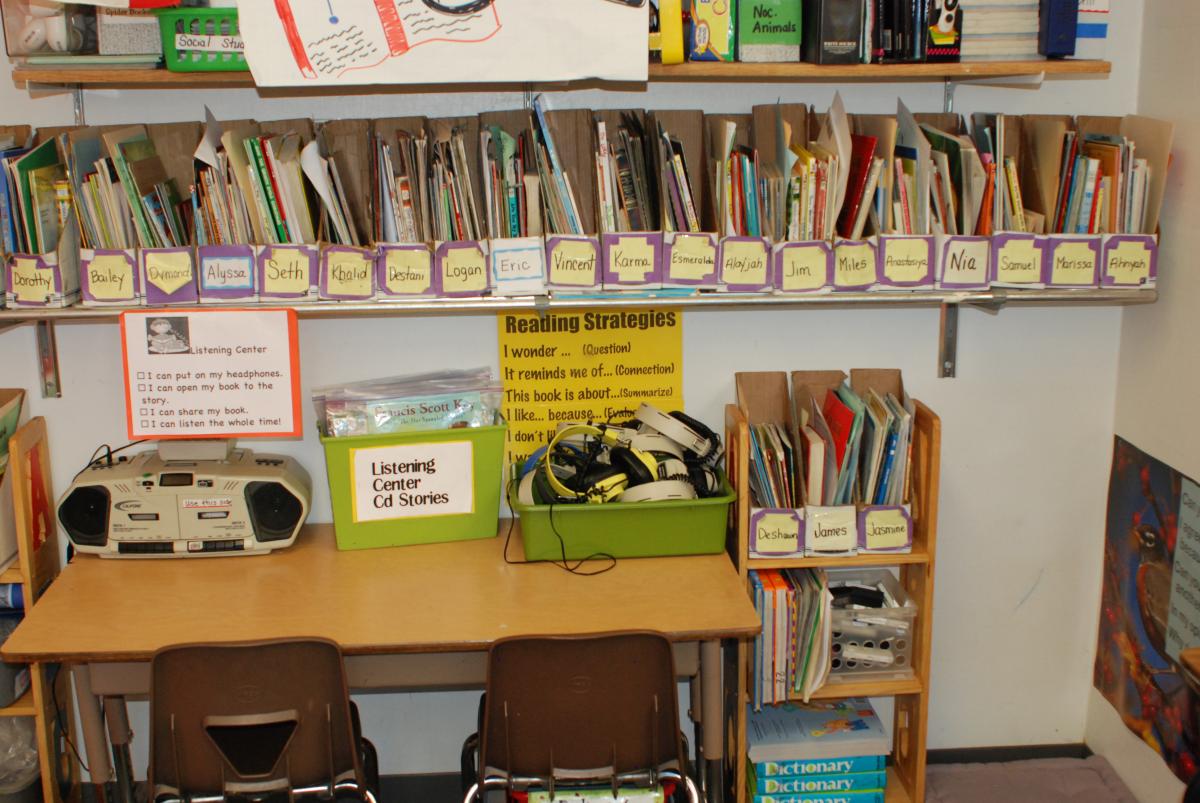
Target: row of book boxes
x: 565, y: 264
x: 818, y: 530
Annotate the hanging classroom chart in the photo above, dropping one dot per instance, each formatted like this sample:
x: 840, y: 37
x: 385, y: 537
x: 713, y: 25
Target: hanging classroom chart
x: 344, y: 42
x: 593, y: 366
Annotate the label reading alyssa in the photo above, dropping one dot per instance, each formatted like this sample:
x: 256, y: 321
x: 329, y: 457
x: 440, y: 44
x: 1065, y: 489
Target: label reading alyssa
x: 1074, y: 263
x: 110, y: 277
x: 407, y: 271
x: 693, y: 257
x: 169, y: 271
x: 1128, y: 263
x: 804, y: 267
x: 744, y: 262
x: 777, y: 534
x: 464, y: 270
x: 1019, y: 262
x: 573, y: 263
x: 413, y: 481
x: 227, y: 273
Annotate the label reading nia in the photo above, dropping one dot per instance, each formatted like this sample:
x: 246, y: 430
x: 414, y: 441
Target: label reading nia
x: 412, y: 481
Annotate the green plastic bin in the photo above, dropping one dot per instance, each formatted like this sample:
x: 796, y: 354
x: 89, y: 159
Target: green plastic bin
x: 211, y: 31
x: 365, y: 470
x: 625, y: 529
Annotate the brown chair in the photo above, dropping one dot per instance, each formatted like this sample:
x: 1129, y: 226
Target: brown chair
x: 580, y: 711
x: 255, y: 720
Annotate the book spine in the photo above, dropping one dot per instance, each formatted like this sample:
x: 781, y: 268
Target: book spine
x: 809, y: 784
x: 254, y: 149
x: 869, y: 796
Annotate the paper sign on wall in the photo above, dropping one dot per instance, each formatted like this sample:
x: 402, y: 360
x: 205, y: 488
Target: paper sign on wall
x: 412, y: 481
x: 211, y: 373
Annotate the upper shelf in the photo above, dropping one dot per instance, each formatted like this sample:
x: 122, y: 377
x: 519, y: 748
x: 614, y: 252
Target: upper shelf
x: 691, y: 71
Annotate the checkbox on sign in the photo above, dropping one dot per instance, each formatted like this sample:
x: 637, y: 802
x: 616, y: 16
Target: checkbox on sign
x: 141, y: 374
x: 144, y: 411
x: 145, y: 424
x: 141, y: 388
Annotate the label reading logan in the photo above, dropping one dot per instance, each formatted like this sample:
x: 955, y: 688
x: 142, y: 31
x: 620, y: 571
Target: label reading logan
x: 412, y: 481
x: 464, y: 270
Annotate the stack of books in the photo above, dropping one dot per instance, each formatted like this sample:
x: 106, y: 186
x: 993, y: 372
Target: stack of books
x: 999, y: 29
x: 818, y: 753
x: 792, y: 654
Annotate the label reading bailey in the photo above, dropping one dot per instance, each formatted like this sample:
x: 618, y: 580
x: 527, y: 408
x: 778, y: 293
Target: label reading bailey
x: 591, y: 322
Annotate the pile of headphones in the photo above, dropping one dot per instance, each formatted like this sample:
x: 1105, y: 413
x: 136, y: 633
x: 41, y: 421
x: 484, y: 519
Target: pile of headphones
x: 654, y: 458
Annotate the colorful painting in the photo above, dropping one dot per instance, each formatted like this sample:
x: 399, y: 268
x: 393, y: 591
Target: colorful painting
x: 1145, y: 617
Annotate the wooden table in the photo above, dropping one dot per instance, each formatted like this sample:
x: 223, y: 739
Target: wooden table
x: 406, y: 618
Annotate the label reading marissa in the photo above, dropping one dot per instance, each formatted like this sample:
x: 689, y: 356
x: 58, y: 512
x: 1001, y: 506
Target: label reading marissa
x: 1073, y: 263
x: 412, y: 481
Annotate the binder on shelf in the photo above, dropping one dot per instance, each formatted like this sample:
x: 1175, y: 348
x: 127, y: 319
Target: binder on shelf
x: 632, y: 199
x: 963, y: 263
x: 288, y: 273
x: 461, y: 267
x: 855, y: 264
x: 348, y: 144
x: 744, y: 265
x: 802, y: 267
x: 168, y: 275
x: 1017, y: 259
x: 1129, y: 260
x: 227, y: 273
x: 404, y: 271
x: 830, y: 529
x: 905, y: 262
x: 109, y: 277
x: 1071, y: 260
x: 347, y: 273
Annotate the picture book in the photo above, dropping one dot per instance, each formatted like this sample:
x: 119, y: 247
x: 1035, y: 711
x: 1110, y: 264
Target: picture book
x: 833, y: 729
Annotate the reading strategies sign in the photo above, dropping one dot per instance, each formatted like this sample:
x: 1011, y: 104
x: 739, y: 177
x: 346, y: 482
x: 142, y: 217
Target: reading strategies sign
x: 211, y: 373
x: 593, y: 366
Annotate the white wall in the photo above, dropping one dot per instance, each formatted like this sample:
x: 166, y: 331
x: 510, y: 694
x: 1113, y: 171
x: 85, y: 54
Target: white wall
x: 1157, y: 385
x: 1026, y: 425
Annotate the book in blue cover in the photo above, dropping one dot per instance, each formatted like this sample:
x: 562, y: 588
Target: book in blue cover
x: 807, y: 784
x: 871, y: 796
x: 820, y: 766
x: 833, y: 729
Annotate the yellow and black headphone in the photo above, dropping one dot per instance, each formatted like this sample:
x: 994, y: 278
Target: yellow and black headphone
x: 594, y: 481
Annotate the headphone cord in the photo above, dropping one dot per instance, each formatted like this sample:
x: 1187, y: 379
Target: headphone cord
x: 564, y: 564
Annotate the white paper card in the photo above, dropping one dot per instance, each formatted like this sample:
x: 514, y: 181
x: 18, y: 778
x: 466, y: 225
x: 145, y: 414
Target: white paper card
x: 412, y: 481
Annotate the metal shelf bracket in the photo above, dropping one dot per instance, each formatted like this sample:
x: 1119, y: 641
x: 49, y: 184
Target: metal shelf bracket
x: 948, y: 342
x: 47, y: 348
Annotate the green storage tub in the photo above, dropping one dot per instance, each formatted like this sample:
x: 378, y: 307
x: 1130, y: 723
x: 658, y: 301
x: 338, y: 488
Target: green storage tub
x: 215, y: 40
x: 366, y: 523
x: 625, y: 530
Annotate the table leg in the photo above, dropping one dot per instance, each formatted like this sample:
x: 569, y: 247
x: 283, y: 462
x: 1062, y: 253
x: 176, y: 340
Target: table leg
x: 714, y: 733
x: 91, y: 721
x: 696, y: 712
x: 119, y: 735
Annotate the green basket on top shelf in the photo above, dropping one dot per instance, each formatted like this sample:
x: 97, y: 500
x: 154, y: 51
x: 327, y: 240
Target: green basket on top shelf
x: 202, y: 40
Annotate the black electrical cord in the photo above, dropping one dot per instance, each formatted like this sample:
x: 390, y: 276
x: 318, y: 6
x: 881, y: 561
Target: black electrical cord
x: 107, y: 456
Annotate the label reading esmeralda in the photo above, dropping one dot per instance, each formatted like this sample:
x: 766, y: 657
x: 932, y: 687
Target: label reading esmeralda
x: 821, y: 766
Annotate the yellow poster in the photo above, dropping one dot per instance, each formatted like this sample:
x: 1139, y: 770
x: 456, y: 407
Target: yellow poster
x: 593, y: 365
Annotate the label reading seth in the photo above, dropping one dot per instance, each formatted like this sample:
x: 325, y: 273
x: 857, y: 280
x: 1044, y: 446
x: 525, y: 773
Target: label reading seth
x: 286, y: 271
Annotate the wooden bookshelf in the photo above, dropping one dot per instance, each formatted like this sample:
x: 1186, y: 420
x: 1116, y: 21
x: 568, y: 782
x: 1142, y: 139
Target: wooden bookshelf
x: 842, y: 686
x: 134, y: 78
x: 919, y: 554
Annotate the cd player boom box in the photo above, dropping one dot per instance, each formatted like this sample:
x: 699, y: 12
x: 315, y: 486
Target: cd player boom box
x: 149, y: 506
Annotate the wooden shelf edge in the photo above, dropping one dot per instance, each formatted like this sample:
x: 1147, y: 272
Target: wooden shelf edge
x: 141, y: 78
x: 12, y: 572
x: 839, y: 689
x: 917, y: 556
x: 896, y: 791
x: 23, y: 707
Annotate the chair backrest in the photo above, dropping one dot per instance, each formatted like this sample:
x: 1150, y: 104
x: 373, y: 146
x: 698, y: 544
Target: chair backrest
x: 592, y: 705
x: 250, y: 718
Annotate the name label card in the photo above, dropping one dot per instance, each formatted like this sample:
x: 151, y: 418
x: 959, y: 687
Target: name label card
x: 405, y: 270
x: 803, y: 267
x: 830, y: 530
x: 965, y: 262
x: 462, y: 269
x: 1129, y: 260
x: 518, y: 266
x: 744, y: 264
x: 226, y: 270
x: 109, y: 275
x: 632, y: 260
x: 31, y: 280
x: 412, y: 481
x: 169, y: 271
x: 854, y: 267
x: 287, y: 271
x: 905, y: 261
x: 692, y: 259
x: 572, y: 262
x: 1073, y: 262
x: 348, y: 273
x: 776, y: 532
x: 885, y: 529
x: 1018, y: 259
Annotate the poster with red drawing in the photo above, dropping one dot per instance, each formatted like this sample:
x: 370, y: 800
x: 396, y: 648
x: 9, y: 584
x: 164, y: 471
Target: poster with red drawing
x: 349, y: 42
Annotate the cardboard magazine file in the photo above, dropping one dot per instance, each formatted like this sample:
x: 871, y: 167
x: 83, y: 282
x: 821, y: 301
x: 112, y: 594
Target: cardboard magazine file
x: 109, y: 277
x: 347, y: 273
x: 963, y: 262
x: 631, y: 260
x: 13, y: 415
x: 883, y: 529
x: 348, y: 143
x: 517, y: 266
x: 288, y: 273
x: 829, y: 530
x: 855, y: 264
x: 573, y: 261
x: 1129, y: 260
x: 763, y: 398
x: 744, y: 265
x: 461, y: 268
x: 1017, y: 260
x: 405, y: 271
x: 1071, y: 260
x: 169, y: 275
x: 690, y: 260
x: 905, y: 262
x: 50, y: 279
x: 802, y: 267
x: 227, y: 274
